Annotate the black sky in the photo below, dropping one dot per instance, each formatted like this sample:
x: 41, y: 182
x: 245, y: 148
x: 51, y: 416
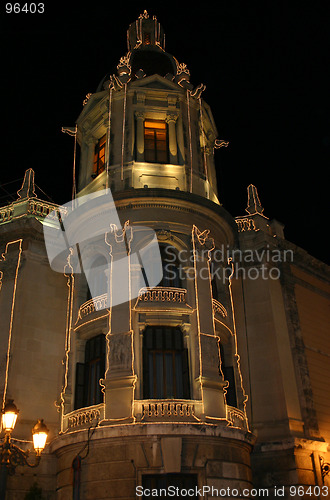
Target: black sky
x: 265, y: 66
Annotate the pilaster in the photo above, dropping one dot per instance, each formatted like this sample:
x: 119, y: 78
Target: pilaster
x: 119, y: 377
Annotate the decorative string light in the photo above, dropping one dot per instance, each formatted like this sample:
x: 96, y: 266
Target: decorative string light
x: 108, y: 136
x: 190, y: 142
x: 123, y: 133
x: 237, y: 356
x: 10, y: 332
x: 204, y: 148
x: 70, y: 284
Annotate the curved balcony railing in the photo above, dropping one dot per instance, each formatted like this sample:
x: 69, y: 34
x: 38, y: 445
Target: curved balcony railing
x: 92, y: 305
x: 152, y: 410
x: 236, y: 417
x: 83, y: 417
x: 219, y: 309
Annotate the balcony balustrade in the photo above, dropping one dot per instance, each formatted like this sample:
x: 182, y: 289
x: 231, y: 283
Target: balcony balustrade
x: 92, y: 305
x: 83, y: 417
x: 162, y: 295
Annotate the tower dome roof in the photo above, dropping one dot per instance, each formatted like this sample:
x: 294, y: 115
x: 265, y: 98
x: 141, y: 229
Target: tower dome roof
x: 152, y: 61
x: 146, y: 55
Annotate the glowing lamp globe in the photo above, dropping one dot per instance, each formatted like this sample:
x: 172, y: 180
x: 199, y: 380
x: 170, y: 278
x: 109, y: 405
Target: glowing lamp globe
x: 9, y: 416
x: 39, y: 434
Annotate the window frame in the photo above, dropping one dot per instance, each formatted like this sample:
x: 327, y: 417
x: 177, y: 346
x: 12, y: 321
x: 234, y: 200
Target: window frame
x: 155, y: 154
x: 88, y: 391
x: 165, y: 364
x: 100, y: 146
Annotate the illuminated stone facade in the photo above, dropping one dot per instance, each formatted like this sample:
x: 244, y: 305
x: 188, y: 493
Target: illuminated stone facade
x: 215, y: 370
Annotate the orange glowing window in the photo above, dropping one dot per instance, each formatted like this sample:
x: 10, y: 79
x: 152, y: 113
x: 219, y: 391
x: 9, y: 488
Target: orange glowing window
x: 99, y: 156
x: 155, y: 141
x: 147, y: 38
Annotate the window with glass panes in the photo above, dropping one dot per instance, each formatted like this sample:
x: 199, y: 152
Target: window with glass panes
x: 155, y: 141
x: 99, y: 156
x: 165, y: 364
x: 88, y: 374
x: 171, y: 267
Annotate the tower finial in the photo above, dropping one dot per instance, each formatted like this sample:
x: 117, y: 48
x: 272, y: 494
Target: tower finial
x: 253, y: 205
x: 27, y: 189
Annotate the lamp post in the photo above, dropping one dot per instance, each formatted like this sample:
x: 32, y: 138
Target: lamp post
x: 11, y: 455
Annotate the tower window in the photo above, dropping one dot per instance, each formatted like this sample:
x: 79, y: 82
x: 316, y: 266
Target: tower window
x: 147, y: 38
x: 88, y: 374
x: 165, y: 370
x: 99, y: 156
x: 155, y: 141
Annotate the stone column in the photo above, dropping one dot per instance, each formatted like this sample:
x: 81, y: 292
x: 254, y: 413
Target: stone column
x: 91, y: 142
x: 210, y: 379
x: 173, y: 148
x: 119, y: 377
x: 139, y: 115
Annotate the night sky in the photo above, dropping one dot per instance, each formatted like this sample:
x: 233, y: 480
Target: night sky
x: 265, y: 67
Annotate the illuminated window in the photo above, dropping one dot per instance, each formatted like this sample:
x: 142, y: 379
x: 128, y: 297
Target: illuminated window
x: 165, y: 364
x: 88, y: 374
x: 155, y: 141
x: 178, y: 482
x: 147, y: 38
x: 99, y: 156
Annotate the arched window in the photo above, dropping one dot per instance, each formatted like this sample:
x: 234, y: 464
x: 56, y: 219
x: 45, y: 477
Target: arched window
x: 171, y: 267
x: 165, y: 364
x: 88, y: 374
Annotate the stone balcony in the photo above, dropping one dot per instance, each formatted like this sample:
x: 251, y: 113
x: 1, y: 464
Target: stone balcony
x: 168, y: 410
x: 151, y: 411
x: 219, y: 310
x: 93, y: 305
x: 83, y: 418
x: 236, y: 418
x: 159, y: 297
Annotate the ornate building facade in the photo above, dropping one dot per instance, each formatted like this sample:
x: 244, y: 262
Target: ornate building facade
x: 210, y: 378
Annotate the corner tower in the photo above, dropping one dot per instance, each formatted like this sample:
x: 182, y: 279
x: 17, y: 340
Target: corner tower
x: 152, y: 384
x: 147, y: 126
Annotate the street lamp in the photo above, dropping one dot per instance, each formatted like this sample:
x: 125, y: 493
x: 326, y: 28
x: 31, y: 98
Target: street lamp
x: 11, y: 455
